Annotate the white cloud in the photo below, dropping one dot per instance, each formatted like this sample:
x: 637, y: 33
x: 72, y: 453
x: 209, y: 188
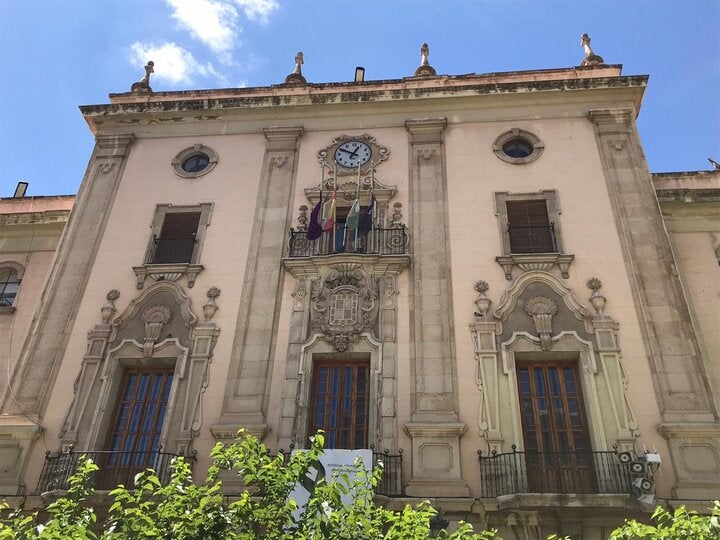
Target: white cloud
x: 258, y: 10
x: 173, y: 64
x: 213, y: 22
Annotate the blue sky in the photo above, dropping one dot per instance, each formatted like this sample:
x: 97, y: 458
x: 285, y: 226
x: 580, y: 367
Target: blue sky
x: 58, y: 54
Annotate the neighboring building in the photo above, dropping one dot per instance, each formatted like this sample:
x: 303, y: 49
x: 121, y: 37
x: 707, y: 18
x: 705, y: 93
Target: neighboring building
x: 513, y: 295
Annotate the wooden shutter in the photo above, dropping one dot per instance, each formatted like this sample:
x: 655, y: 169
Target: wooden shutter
x: 529, y: 227
x: 176, y: 243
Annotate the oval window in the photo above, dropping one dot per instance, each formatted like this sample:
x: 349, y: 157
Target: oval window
x: 196, y: 163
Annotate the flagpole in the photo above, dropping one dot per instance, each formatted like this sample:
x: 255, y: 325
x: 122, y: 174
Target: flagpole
x: 357, y: 198
x: 334, y: 233
x: 372, y: 216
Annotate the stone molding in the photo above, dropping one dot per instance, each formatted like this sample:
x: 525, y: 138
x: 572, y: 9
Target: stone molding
x: 672, y: 346
x: 110, y: 348
x: 46, y: 217
x: 253, y: 351
x: 167, y: 272
x: 374, y: 337
x: 611, y: 417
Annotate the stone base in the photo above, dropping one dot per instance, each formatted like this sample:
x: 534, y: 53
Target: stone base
x: 695, y: 453
x: 436, y: 460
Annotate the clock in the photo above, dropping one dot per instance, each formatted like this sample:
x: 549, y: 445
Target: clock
x: 352, y: 154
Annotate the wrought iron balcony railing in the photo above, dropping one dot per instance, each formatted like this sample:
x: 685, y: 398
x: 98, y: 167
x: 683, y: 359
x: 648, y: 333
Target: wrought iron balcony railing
x: 532, y: 238
x: 342, y: 240
x: 170, y: 250
x: 553, y: 472
x: 115, y: 467
x: 391, y: 483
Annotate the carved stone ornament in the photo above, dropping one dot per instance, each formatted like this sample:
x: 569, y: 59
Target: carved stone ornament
x: 154, y: 319
x: 296, y: 77
x: 210, y: 308
x: 482, y: 302
x: 302, y: 218
x: 596, y: 299
x: 425, y: 69
x: 143, y: 85
x: 542, y: 309
x: 108, y: 310
x: 591, y: 59
x: 396, y: 219
x: 344, y: 304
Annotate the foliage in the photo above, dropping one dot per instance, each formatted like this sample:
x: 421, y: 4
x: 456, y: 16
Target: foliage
x: 679, y: 525
x: 182, y: 510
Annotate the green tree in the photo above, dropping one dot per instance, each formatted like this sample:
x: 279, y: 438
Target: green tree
x: 182, y: 510
x: 679, y: 525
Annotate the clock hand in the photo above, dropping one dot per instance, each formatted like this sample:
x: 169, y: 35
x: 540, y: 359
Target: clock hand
x: 355, y: 152
x: 348, y: 152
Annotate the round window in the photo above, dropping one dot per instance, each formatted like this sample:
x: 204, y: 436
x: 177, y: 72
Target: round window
x: 517, y: 148
x: 196, y: 163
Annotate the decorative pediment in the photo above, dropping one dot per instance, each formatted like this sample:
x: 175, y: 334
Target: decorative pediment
x: 344, y: 303
x: 154, y: 313
x: 510, y: 296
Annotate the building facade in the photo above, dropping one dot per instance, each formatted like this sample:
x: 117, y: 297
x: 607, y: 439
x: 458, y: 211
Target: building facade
x: 495, y: 299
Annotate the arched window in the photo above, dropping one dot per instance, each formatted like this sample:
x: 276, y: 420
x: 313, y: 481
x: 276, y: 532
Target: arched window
x: 9, y: 284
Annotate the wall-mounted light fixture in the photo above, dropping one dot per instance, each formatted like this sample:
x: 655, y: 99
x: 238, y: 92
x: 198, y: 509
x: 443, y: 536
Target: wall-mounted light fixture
x: 359, y: 74
x: 20, y: 190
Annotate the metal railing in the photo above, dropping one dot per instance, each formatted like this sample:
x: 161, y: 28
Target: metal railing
x: 115, y: 467
x: 391, y: 483
x: 170, y: 250
x: 532, y: 238
x: 553, y: 472
x: 391, y: 241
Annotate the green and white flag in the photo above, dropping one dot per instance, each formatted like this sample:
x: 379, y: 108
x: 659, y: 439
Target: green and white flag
x: 353, y: 217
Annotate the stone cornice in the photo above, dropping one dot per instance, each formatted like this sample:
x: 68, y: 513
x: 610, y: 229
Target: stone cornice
x: 380, y: 264
x: 694, y: 429
x: 196, y: 102
x: 48, y: 217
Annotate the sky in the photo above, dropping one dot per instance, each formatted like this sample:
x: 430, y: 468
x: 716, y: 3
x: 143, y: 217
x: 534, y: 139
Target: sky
x: 59, y: 54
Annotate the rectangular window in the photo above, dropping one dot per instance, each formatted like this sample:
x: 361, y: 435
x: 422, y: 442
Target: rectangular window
x: 339, y: 404
x: 529, y: 227
x: 134, y: 437
x: 558, y: 454
x: 178, y: 233
x: 176, y: 242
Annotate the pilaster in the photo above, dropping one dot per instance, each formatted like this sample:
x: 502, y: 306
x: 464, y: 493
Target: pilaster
x: 679, y: 379
x: 247, y: 391
x: 35, y: 373
x: 434, y: 429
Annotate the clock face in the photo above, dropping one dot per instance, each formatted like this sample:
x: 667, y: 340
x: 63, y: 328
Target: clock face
x: 353, y: 154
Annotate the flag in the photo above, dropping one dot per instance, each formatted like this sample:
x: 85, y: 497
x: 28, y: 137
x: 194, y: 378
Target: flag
x: 329, y: 213
x: 353, y: 217
x: 314, y: 230
x: 366, y: 219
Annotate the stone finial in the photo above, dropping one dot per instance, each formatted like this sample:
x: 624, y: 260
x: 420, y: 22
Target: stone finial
x: 591, y: 59
x: 108, y: 310
x: 425, y: 69
x: 596, y: 299
x: 211, y: 307
x: 482, y: 302
x: 296, y: 77
x: 144, y: 84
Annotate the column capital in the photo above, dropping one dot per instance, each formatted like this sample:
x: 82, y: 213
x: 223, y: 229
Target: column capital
x: 427, y: 130
x: 282, y: 137
x: 611, y: 116
x: 113, y: 146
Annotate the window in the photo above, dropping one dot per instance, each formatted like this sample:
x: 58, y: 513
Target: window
x: 176, y: 242
x: 9, y: 285
x: 558, y: 454
x: 518, y: 146
x: 195, y: 161
x: 134, y: 440
x: 178, y: 233
x: 339, y: 404
x: 529, y: 227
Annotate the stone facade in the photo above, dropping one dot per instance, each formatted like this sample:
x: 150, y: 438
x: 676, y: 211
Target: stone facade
x: 442, y: 301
